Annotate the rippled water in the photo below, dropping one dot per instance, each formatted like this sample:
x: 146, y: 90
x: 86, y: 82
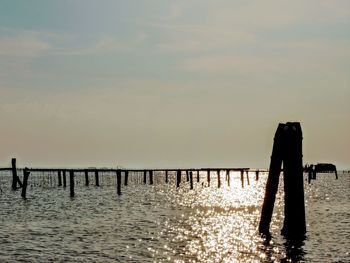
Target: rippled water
x: 160, y: 223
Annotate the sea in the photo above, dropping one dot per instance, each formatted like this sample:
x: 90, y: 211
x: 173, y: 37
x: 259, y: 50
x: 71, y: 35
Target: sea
x: 162, y: 223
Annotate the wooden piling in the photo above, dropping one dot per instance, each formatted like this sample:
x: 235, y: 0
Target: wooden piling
x: 248, y: 182
x: 294, y: 207
x: 242, y: 178
x: 187, y: 176
x: 64, y: 178
x: 198, y: 176
x: 86, y: 177
x: 166, y: 176
x: 119, y: 181
x: 191, y: 180
x: 15, y: 178
x: 287, y: 148
x: 144, y: 176
x: 208, y: 177
x: 26, y: 173
x: 257, y: 175
x: 219, y: 178
x: 151, y: 177
x: 59, y: 178
x: 97, y: 180
x: 126, y: 177
x: 178, y: 178
x: 71, y: 183
x: 228, y: 178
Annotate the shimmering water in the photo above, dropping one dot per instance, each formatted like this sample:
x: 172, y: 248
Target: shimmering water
x: 160, y: 223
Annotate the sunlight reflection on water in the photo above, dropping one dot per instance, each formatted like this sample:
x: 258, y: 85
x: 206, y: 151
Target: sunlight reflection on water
x: 163, y: 224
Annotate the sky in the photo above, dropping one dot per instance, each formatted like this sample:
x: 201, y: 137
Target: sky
x: 163, y: 84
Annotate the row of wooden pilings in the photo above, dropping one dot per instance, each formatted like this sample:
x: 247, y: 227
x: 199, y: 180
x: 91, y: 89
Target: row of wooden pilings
x: 190, y: 174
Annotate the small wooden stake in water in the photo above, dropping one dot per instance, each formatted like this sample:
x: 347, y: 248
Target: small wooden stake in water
x: 71, y: 183
x: 257, y: 175
x: 86, y: 172
x: 64, y: 178
x: 144, y: 176
x: 15, y: 178
x: 178, y: 178
x: 248, y: 183
x: 59, y: 178
x: 126, y: 177
x: 150, y: 177
x: 228, y: 177
x: 219, y: 178
x: 242, y: 178
x: 119, y: 182
x: 208, y: 177
x: 26, y: 173
x: 198, y: 176
x: 166, y: 176
x: 191, y: 180
x: 97, y: 181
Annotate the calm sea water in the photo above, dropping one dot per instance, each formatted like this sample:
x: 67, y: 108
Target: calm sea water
x: 160, y: 223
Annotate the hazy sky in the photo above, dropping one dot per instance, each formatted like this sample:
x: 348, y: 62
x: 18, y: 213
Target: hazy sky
x: 193, y: 83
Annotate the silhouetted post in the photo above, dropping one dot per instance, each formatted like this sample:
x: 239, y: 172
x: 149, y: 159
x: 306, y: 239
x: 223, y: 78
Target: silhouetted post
x: 294, y: 206
x: 97, y: 181
x: 166, y: 176
x: 64, y: 178
x: 119, y: 181
x: 151, y: 177
x: 144, y: 176
x: 86, y: 177
x: 187, y: 176
x: 219, y: 179
x: 336, y: 174
x: 198, y: 176
x: 26, y: 173
x: 59, y: 178
x: 242, y: 178
x: 228, y: 177
x: 71, y: 183
x: 15, y: 178
x: 178, y: 178
x: 257, y: 175
x: 287, y: 147
x: 191, y: 180
x: 126, y: 177
x: 248, y: 182
x: 208, y: 177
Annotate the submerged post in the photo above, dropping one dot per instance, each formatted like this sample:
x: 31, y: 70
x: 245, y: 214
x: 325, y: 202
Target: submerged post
x: 187, y: 176
x: 97, y: 181
x: 86, y: 177
x: 15, y: 178
x: 178, y: 178
x: 59, y: 178
x: 287, y: 148
x: 219, y: 179
x: 26, y: 173
x: 191, y: 180
x: 247, y: 173
x: 144, y: 176
x: 198, y: 176
x: 208, y: 177
x: 242, y: 178
x: 119, y: 181
x: 71, y: 183
x: 64, y: 178
x: 228, y: 177
x: 166, y: 176
x: 257, y: 175
x: 151, y: 177
x: 126, y: 177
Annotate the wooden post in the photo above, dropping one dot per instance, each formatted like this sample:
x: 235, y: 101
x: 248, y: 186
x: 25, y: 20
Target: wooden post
x: 198, y: 176
x: 15, y: 178
x: 178, y: 178
x: 242, y: 178
x: 151, y: 177
x: 64, y: 178
x: 166, y: 176
x: 257, y: 175
x: 86, y: 178
x: 294, y: 207
x: 219, y: 179
x: 26, y: 173
x: 247, y: 173
x: 208, y: 177
x: 144, y: 176
x: 191, y: 180
x: 126, y: 177
x: 228, y: 177
x: 119, y: 181
x: 97, y: 181
x: 59, y: 178
x: 71, y: 183
x: 187, y: 176
x: 287, y: 148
